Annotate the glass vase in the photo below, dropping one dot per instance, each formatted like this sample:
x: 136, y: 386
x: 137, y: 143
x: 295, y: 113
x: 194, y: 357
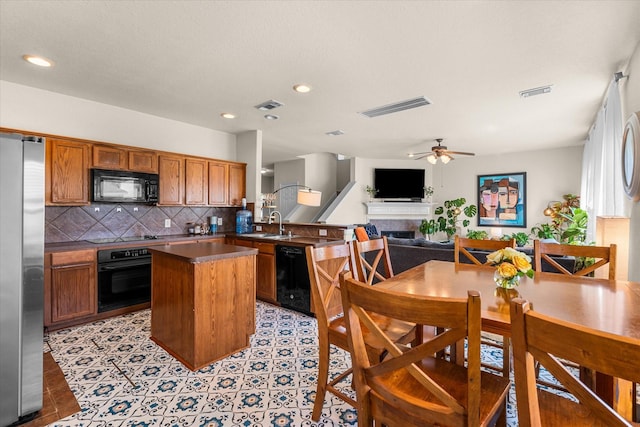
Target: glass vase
x: 506, y: 283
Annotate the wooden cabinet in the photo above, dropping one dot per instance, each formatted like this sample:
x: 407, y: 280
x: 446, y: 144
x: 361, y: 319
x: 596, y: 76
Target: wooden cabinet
x: 265, y: 268
x: 237, y: 183
x: 114, y: 158
x: 172, y: 183
x: 70, y: 286
x: 183, y: 180
x: 218, y: 183
x: 266, y: 277
x: 109, y: 157
x: 196, y: 184
x: 202, y: 301
x: 67, y: 172
x: 143, y: 161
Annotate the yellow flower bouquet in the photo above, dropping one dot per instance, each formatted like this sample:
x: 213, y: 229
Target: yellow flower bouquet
x: 511, y: 265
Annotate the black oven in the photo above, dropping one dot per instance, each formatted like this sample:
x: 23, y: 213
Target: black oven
x: 124, y: 278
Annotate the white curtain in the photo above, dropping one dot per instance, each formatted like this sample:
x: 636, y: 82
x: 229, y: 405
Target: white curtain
x: 602, y: 190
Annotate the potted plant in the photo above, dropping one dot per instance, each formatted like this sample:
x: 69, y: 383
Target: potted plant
x: 428, y: 193
x: 477, y: 234
x: 521, y: 238
x: 371, y: 191
x: 543, y: 231
x: 428, y: 228
x: 448, y: 219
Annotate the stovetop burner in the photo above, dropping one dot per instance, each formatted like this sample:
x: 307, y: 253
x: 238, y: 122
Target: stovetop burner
x: 125, y: 239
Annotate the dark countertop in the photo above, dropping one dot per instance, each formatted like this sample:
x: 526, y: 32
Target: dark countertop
x: 292, y: 241
x: 203, y: 252
x: 142, y: 243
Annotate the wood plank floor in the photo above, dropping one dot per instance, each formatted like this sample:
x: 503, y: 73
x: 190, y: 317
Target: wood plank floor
x: 58, y: 399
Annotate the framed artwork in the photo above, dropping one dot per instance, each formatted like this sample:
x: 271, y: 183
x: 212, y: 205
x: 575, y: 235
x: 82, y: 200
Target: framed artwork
x: 502, y: 200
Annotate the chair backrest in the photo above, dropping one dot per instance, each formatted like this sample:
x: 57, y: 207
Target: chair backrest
x: 325, y: 264
x: 461, y: 245
x: 537, y: 337
x: 377, y: 252
x: 602, y: 255
x: 457, y: 318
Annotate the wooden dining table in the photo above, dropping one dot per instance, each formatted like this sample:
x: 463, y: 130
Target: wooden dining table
x: 607, y: 305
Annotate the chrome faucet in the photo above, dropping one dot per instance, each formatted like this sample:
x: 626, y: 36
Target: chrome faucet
x: 272, y: 218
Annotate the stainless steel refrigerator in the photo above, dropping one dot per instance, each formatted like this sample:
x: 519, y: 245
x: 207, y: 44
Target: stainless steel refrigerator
x: 21, y: 276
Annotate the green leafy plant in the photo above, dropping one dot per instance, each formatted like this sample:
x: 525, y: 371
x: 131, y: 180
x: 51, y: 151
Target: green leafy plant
x: 575, y: 225
x: 521, y: 238
x: 543, y: 231
x: 371, y: 191
x: 448, y: 219
x: 428, y: 191
x: 477, y: 234
x: 428, y: 228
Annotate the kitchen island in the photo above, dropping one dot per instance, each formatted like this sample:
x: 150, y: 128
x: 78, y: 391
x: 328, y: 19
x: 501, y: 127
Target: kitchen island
x: 202, y: 300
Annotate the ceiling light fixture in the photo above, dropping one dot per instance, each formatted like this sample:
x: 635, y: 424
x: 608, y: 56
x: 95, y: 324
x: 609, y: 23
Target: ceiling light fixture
x: 535, y: 91
x: 38, y: 60
x: 335, y: 133
x: 271, y: 117
x: 302, y: 88
x: 228, y: 116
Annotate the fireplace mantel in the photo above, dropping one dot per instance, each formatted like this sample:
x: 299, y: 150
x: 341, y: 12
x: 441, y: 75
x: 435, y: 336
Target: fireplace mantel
x: 399, y: 210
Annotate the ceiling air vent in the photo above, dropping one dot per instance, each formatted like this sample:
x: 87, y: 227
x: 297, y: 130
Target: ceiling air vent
x: 398, y: 106
x: 535, y: 91
x: 269, y: 105
x: 335, y: 133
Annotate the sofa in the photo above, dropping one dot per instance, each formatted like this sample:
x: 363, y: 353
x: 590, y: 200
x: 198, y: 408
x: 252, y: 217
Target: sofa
x: 407, y: 253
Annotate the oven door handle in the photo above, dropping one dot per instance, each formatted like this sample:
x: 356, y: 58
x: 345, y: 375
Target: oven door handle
x: 124, y: 265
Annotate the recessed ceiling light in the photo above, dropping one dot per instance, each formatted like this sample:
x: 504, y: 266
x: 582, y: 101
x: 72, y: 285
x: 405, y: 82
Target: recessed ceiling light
x: 228, y: 115
x: 271, y: 117
x: 302, y: 88
x: 38, y: 60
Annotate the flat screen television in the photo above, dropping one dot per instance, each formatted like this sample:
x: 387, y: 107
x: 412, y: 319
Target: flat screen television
x: 399, y: 183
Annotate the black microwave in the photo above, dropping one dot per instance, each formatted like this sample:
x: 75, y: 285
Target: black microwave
x: 123, y: 187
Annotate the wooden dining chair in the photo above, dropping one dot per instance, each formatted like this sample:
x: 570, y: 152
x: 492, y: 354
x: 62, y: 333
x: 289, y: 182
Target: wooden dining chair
x: 325, y: 265
x: 537, y: 337
x: 411, y: 387
x: 372, y: 262
x: 461, y: 247
x: 603, y: 255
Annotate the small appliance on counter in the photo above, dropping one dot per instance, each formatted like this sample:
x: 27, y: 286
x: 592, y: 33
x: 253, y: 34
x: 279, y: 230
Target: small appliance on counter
x: 244, y: 219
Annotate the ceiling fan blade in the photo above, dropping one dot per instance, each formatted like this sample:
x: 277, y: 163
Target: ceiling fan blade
x: 460, y: 152
x: 419, y: 155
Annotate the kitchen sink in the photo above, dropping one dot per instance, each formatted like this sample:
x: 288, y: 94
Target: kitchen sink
x: 268, y: 236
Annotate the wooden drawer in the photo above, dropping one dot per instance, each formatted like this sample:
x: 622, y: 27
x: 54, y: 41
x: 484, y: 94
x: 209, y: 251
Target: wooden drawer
x: 73, y: 257
x: 265, y: 248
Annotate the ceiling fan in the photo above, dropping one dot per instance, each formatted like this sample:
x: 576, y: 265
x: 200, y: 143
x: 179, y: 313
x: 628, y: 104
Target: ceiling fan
x: 439, y: 152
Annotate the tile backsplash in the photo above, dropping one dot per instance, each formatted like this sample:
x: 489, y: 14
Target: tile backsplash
x: 98, y: 221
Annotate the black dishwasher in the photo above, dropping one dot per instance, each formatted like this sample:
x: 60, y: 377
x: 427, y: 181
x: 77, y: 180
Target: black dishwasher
x: 292, y: 278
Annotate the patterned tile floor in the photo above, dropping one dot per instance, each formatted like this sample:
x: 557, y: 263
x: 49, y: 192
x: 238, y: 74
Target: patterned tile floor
x: 122, y: 378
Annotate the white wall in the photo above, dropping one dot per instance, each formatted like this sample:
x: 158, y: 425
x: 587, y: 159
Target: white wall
x: 630, y: 89
x: 249, y: 151
x: 550, y: 174
x: 36, y: 110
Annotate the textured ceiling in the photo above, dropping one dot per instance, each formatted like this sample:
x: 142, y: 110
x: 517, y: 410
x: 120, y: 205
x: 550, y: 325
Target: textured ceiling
x: 192, y: 60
